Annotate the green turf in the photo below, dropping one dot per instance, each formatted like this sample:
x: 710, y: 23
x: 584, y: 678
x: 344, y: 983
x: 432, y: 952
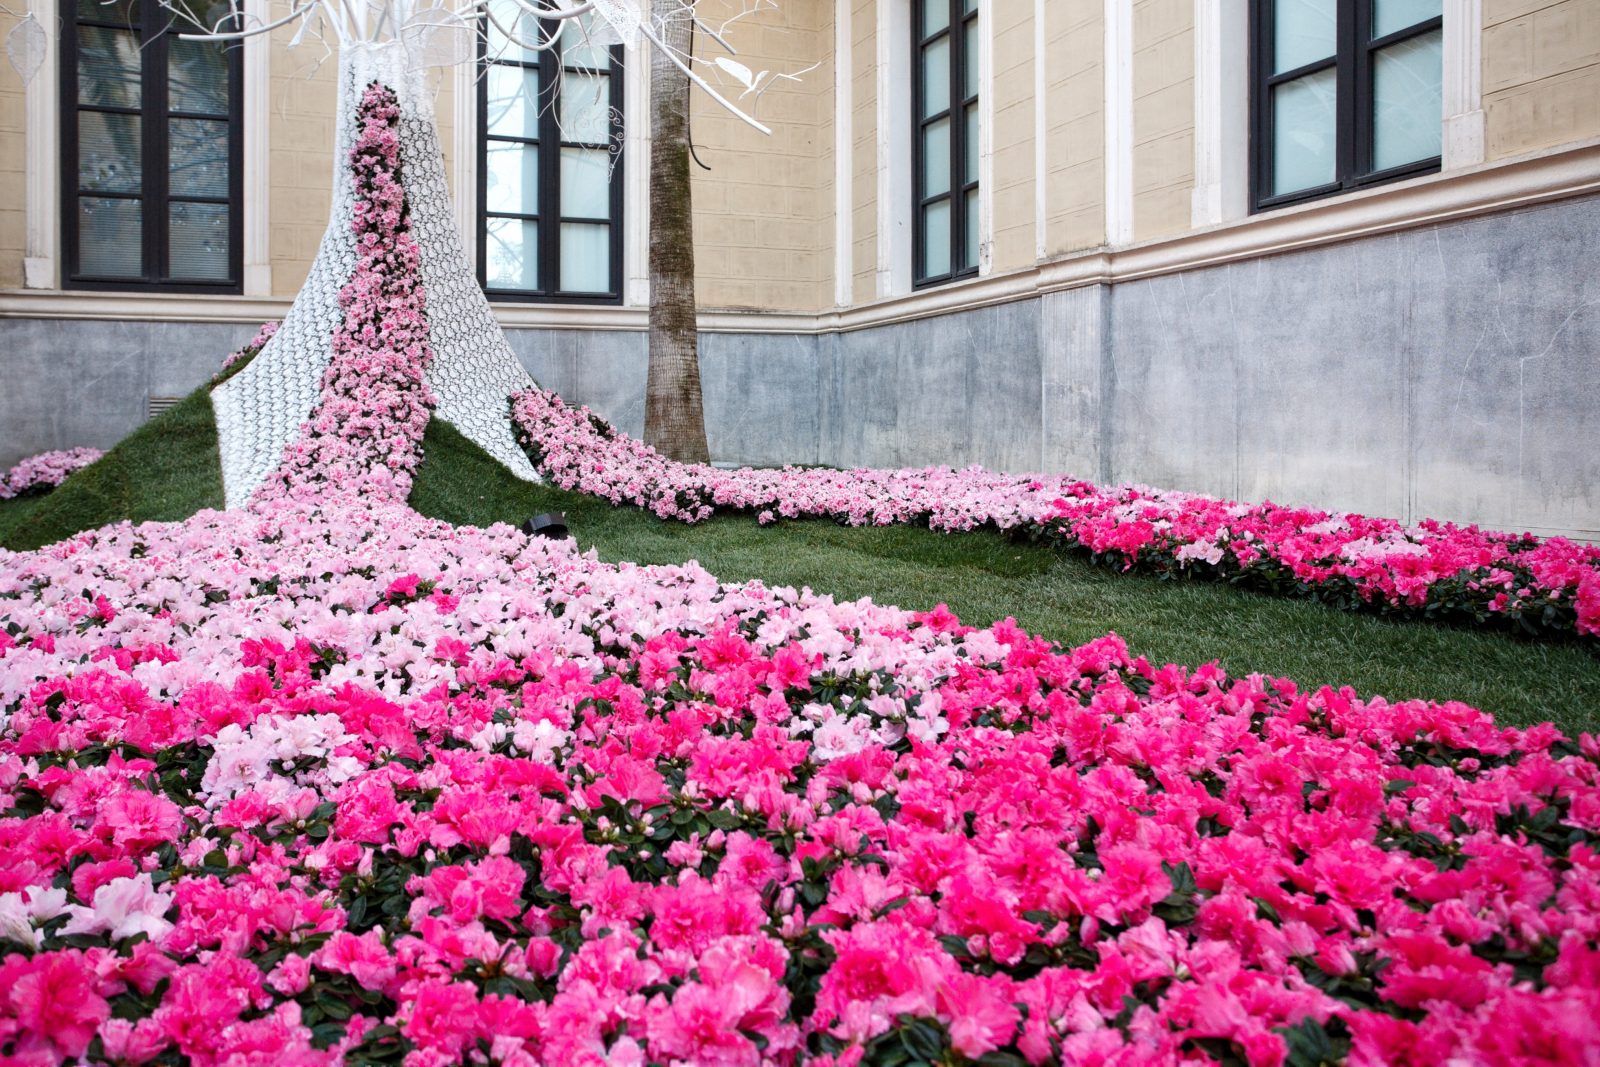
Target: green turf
x: 984, y: 576
x: 166, y: 469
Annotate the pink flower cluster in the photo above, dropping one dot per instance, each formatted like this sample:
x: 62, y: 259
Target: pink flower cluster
x: 1432, y: 568
x: 363, y: 439
x: 251, y: 349
x: 310, y: 785
x: 45, y: 471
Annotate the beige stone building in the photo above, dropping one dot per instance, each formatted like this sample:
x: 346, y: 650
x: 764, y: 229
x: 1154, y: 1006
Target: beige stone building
x: 1339, y: 252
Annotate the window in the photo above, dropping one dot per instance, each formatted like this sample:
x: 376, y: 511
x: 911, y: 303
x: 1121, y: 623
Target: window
x: 549, y: 173
x: 1348, y: 93
x: 151, y: 153
x: 945, y: 142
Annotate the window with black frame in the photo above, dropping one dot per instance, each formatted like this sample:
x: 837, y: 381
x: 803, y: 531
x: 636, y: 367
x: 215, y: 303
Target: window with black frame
x: 1348, y: 93
x: 549, y: 163
x: 151, y: 153
x: 945, y: 144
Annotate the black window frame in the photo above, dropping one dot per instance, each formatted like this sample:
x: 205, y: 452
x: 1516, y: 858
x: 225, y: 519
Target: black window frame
x: 549, y: 64
x: 1354, y: 97
x: 959, y: 28
x: 157, y: 26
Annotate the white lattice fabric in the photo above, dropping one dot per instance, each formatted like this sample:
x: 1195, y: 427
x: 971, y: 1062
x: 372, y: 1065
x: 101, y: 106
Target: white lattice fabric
x: 474, y: 372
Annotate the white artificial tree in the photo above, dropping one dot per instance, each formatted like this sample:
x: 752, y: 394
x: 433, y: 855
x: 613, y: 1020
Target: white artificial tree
x: 394, y: 42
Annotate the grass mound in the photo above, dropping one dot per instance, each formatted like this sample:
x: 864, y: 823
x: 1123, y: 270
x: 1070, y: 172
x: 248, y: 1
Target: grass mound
x: 165, y: 470
x: 983, y: 577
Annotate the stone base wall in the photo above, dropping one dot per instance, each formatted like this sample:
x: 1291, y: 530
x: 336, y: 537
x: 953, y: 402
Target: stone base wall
x: 1450, y: 371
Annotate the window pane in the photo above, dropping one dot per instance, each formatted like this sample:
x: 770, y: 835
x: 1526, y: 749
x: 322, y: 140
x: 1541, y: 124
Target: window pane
x: 969, y: 253
x: 585, y: 257
x: 1303, y: 32
x: 585, y: 107
x: 585, y: 44
x: 1407, y: 104
x: 198, y: 150
x: 935, y: 16
x: 586, y: 183
x: 122, y: 12
x: 516, y: 22
x: 511, y: 179
x: 969, y: 7
x: 969, y: 61
x: 108, y: 152
x: 513, y: 101
x: 1391, y: 15
x: 971, y: 134
x: 108, y: 67
x: 936, y: 77
x: 110, y: 237
x: 198, y: 247
x: 197, y: 77
x: 936, y: 239
x: 936, y: 158
x: 511, y: 254
x: 1303, y: 132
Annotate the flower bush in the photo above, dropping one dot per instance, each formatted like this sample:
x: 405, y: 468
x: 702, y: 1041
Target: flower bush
x: 323, y: 781
x: 45, y: 471
x: 1432, y: 568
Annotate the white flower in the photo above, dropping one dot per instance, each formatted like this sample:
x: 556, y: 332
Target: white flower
x: 125, y: 907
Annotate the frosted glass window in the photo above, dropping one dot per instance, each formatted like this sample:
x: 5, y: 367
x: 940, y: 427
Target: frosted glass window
x: 197, y: 78
x: 585, y: 257
x: 969, y: 64
x: 935, y: 16
x: 1388, y: 16
x: 1304, y: 150
x: 936, y: 158
x: 198, y: 242
x: 110, y: 237
x: 585, y: 107
x: 585, y: 183
x: 513, y: 101
x: 198, y: 149
x: 936, y: 77
x: 936, y: 239
x: 511, y: 254
x: 1304, y: 31
x: 509, y: 19
x: 511, y: 179
x: 1407, y: 110
x: 108, y: 67
x: 971, y: 134
x: 586, y: 43
x: 110, y: 152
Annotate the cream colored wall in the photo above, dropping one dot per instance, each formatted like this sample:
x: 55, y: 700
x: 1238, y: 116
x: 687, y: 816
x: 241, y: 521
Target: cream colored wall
x: 1163, y: 116
x: 761, y: 238
x: 1075, y: 126
x: 13, y: 191
x: 1012, y: 140
x: 864, y: 146
x: 1541, y: 74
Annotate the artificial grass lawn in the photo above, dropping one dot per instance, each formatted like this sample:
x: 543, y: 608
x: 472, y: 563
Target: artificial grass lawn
x: 165, y: 470
x: 984, y: 576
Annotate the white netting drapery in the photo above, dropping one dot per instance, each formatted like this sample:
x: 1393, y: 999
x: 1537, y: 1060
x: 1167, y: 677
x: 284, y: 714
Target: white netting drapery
x: 474, y: 372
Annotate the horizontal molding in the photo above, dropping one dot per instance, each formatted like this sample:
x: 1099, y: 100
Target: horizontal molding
x: 1537, y: 178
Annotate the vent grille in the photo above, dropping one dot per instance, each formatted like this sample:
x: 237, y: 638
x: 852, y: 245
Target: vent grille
x: 161, y: 404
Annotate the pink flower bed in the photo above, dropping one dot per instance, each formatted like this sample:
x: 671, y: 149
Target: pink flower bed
x: 323, y: 781
x: 45, y: 471
x: 1432, y: 568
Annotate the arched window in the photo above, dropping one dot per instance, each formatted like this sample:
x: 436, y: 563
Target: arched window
x: 550, y: 165
x: 151, y: 152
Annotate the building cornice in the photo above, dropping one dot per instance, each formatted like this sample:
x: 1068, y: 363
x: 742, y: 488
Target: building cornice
x: 1570, y: 171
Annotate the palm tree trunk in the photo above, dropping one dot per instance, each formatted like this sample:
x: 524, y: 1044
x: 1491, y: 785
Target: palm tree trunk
x: 674, y: 419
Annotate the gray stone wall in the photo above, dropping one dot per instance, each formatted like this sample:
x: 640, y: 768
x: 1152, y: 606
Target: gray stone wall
x: 1451, y: 371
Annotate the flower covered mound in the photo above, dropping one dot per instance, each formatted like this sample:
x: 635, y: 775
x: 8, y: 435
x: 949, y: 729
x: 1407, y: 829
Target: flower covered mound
x: 45, y: 471
x: 1433, y: 568
x: 338, y: 785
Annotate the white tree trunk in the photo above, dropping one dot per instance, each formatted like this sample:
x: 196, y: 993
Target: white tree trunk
x: 474, y: 372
